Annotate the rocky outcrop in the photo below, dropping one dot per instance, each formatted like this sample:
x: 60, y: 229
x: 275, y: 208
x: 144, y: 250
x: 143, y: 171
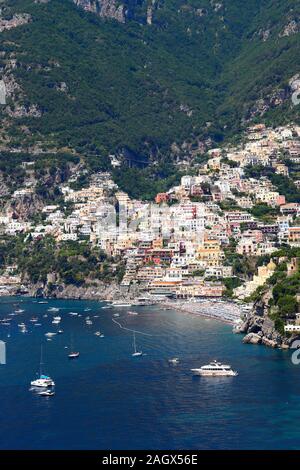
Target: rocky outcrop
x: 293, y: 27
x: 96, y: 291
x: 23, y: 111
x: 259, y: 328
x: 17, y: 20
x: 273, y: 100
x: 252, y: 338
x: 104, y: 8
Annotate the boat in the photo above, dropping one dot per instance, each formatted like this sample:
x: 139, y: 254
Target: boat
x: 19, y: 310
x: 215, y: 369
x: 47, y: 393
x: 34, y: 319
x: 60, y: 332
x: 88, y: 322
x: 5, y: 323
x: 106, y: 306
x: 135, y: 351
x: 87, y: 309
x: 43, y: 302
x: 56, y: 320
x: 174, y: 360
x: 50, y: 334
x: 116, y: 315
x: 130, y: 312
x: 53, y: 309
x: 44, y: 381
x: 73, y: 354
x: 73, y: 314
x: 121, y: 304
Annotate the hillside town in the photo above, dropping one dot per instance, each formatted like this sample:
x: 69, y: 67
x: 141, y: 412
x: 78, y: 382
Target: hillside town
x: 177, y: 246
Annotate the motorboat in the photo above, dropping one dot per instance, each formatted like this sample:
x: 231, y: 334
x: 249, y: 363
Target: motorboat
x: 215, y: 369
x: 73, y: 355
x: 121, y: 304
x: 50, y: 334
x: 174, y: 360
x: 53, y: 309
x: 130, y: 312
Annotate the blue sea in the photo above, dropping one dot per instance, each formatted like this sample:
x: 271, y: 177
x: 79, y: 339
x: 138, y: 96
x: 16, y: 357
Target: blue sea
x: 107, y: 399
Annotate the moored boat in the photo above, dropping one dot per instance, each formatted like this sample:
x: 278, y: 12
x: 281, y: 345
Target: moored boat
x: 215, y: 369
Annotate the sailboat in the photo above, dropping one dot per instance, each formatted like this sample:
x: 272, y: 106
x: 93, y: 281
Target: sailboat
x: 73, y: 354
x: 135, y: 353
x: 43, y: 380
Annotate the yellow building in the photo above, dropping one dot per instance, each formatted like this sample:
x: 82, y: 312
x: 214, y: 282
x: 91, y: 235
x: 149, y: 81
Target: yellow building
x: 210, y: 253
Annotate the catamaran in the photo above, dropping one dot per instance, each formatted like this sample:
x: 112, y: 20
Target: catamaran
x: 43, y: 381
x: 136, y: 352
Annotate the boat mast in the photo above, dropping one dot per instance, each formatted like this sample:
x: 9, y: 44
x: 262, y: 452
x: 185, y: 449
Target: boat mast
x: 41, y: 360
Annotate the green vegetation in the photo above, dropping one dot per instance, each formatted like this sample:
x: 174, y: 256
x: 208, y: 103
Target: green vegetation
x: 264, y: 212
x: 284, y: 185
x: 231, y: 283
x: 136, y: 90
x: 75, y: 263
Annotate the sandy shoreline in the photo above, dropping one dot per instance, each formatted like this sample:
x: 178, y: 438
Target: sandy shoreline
x: 226, y: 312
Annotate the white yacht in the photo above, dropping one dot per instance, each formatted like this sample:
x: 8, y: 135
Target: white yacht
x: 215, y: 369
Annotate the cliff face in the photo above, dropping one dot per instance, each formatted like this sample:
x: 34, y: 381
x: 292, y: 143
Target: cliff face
x: 106, y: 8
x: 120, y: 10
x: 259, y: 328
